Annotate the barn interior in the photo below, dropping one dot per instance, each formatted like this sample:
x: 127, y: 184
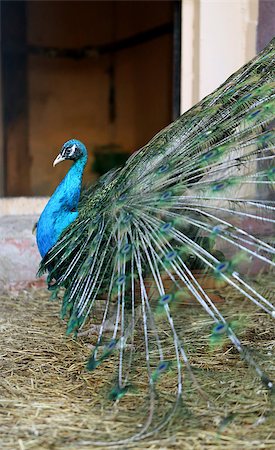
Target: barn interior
x: 103, y: 72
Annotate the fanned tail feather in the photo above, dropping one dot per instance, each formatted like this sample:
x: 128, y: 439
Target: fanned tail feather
x: 198, y: 197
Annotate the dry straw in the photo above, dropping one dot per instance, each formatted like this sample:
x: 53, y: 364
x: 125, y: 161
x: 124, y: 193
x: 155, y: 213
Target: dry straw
x: 49, y: 401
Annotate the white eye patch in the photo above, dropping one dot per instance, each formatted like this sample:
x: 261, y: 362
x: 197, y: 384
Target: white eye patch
x: 68, y: 151
x: 72, y: 150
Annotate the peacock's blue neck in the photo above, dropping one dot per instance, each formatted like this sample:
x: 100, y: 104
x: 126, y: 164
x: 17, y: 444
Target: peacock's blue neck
x: 61, y: 209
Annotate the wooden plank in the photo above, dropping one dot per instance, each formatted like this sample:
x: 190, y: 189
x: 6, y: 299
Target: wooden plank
x: 15, y: 98
x: 176, y: 59
x: 266, y: 23
x: 2, y: 175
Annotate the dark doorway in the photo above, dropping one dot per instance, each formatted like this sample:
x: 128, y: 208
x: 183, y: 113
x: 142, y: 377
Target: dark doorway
x: 104, y: 72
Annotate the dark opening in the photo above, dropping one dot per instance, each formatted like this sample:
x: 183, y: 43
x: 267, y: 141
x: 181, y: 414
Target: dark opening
x: 107, y: 73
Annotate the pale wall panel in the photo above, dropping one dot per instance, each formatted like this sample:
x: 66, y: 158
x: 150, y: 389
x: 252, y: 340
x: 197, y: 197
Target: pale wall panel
x: 218, y: 37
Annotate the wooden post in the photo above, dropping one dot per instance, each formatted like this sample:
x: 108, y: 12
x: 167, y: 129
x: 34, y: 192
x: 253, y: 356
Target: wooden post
x: 2, y: 182
x: 176, y: 59
x: 15, y: 98
x: 266, y: 23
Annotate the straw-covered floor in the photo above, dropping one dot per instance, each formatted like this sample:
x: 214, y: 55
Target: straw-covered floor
x: 48, y: 400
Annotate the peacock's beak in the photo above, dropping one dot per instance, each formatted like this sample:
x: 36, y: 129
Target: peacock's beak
x: 58, y: 159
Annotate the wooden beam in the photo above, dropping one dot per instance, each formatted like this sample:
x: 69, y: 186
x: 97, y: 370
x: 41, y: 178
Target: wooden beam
x: 112, y: 47
x: 15, y: 98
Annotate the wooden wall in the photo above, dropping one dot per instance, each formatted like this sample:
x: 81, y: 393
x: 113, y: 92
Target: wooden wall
x: 14, y: 92
x: 69, y: 98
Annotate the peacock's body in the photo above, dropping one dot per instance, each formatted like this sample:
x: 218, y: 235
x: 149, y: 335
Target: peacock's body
x: 197, y: 197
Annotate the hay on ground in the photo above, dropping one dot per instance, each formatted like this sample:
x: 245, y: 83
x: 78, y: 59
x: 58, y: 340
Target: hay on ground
x: 49, y: 401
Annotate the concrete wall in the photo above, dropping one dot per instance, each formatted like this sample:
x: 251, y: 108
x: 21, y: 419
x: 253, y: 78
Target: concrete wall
x: 22, y: 206
x: 19, y: 256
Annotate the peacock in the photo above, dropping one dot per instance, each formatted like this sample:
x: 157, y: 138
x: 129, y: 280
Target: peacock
x: 193, y: 204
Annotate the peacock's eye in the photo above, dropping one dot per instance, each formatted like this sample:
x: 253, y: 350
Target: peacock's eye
x: 71, y: 151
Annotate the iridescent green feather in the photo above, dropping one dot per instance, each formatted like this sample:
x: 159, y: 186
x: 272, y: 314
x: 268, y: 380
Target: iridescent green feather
x: 195, y: 198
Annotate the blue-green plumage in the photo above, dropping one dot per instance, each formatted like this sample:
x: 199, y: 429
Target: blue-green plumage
x: 197, y: 197
x: 61, y: 211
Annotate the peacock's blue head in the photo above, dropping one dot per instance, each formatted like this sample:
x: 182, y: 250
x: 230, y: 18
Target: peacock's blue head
x: 73, y: 150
